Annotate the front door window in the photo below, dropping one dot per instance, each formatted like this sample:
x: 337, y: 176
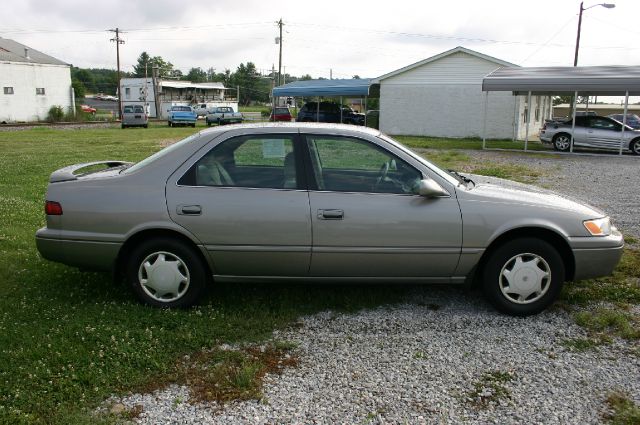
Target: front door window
x: 343, y: 164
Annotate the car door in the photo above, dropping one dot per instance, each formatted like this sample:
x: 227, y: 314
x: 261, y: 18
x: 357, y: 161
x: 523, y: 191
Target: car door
x: 580, y: 131
x: 604, y: 133
x: 245, y: 200
x: 368, y: 220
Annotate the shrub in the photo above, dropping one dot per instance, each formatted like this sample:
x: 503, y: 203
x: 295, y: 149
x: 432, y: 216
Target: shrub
x: 56, y: 114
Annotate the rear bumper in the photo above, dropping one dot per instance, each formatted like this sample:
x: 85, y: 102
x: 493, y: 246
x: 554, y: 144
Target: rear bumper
x: 597, y: 260
x: 89, y: 255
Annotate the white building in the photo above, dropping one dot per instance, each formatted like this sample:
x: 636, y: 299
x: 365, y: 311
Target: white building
x: 442, y: 96
x: 31, y: 82
x: 166, y: 93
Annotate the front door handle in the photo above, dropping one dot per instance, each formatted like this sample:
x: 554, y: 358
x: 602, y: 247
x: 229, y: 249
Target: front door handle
x: 189, y: 209
x: 330, y: 214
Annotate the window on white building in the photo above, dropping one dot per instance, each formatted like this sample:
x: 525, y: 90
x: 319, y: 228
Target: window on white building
x: 40, y: 90
x: 127, y: 92
x: 8, y: 90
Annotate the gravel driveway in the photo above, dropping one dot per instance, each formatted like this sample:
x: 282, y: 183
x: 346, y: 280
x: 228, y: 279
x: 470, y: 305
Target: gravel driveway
x: 445, y: 356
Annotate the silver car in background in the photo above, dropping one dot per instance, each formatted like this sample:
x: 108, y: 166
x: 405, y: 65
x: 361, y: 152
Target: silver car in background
x: 591, y: 132
x: 316, y: 203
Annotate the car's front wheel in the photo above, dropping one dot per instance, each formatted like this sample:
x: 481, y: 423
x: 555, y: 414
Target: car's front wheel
x: 523, y: 276
x: 562, y: 142
x: 166, y: 272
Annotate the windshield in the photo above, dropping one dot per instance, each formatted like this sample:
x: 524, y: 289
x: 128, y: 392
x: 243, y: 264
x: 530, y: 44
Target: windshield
x: 445, y: 175
x: 148, y: 160
x: 181, y: 108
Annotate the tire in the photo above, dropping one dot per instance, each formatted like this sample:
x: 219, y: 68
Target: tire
x: 146, y: 126
x: 193, y: 125
x: 181, y: 276
x: 562, y: 142
x: 123, y: 126
x: 169, y: 123
x: 537, y: 270
x: 208, y: 123
x: 634, y: 146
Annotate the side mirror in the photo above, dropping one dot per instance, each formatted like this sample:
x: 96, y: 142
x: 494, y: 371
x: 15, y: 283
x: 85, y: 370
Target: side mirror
x: 430, y: 189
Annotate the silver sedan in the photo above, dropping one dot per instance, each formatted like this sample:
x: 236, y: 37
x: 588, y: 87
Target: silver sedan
x: 591, y: 131
x: 319, y: 203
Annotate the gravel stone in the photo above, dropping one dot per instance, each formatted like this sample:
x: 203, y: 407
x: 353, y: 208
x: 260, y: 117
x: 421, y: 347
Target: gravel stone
x: 420, y: 362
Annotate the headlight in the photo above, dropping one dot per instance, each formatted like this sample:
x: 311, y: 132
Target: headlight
x: 598, y: 227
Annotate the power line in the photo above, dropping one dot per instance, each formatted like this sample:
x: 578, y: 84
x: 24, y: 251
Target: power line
x: 549, y: 40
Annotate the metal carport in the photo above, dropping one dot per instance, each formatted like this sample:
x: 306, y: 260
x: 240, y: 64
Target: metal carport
x: 555, y: 81
x: 361, y: 87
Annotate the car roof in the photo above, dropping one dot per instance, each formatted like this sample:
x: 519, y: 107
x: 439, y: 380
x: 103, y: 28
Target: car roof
x: 307, y: 127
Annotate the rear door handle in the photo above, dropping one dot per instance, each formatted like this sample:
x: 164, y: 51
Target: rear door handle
x: 189, y: 209
x: 330, y: 214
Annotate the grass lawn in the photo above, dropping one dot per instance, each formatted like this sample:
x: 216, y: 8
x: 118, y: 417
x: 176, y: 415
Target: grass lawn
x: 69, y: 339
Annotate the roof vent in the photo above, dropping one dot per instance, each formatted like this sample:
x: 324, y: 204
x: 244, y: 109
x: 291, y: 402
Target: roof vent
x: 26, y: 53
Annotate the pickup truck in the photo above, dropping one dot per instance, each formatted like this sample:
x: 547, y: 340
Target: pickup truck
x: 181, y: 115
x: 223, y: 115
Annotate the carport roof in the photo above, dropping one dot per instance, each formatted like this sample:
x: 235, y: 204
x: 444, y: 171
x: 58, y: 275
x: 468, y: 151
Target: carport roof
x: 346, y: 87
x: 588, y: 80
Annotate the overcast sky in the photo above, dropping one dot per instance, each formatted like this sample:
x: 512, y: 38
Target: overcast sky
x: 368, y: 38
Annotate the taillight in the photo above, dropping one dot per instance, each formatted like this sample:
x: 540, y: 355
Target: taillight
x: 52, y: 208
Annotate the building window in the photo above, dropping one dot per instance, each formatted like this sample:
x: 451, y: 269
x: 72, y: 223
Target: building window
x: 127, y: 92
x: 8, y: 90
x: 40, y: 90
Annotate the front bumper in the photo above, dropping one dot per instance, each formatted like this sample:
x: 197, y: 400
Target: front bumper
x: 596, y: 256
x: 89, y: 255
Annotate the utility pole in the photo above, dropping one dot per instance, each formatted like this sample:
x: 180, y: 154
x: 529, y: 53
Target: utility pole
x: 118, y: 42
x: 280, y: 24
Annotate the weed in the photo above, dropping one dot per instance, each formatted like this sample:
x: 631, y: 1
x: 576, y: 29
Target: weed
x: 490, y: 389
x: 623, y: 411
x: 285, y: 345
x: 605, y: 322
x: 621, y: 287
x: 232, y: 375
x: 582, y: 344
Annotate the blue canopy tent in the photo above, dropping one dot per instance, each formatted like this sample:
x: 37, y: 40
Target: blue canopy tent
x: 362, y: 87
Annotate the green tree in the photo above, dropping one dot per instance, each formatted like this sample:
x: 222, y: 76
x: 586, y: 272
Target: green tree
x: 165, y: 68
x: 247, y: 78
x: 78, y: 88
x: 558, y: 100
x: 196, y: 75
x: 144, y: 62
x: 84, y: 76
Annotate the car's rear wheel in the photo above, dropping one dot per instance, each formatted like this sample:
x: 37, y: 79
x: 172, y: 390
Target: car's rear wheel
x: 146, y: 126
x: 523, y: 276
x: 169, y: 123
x: 634, y: 146
x: 193, y: 125
x: 208, y: 123
x: 166, y: 272
x: 562, y: 142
